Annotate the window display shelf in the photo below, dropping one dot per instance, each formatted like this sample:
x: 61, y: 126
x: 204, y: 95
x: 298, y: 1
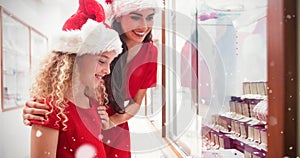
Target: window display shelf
x: 240, y: 128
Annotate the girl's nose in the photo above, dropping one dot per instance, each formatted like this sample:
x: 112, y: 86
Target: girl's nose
x: 106, y: 70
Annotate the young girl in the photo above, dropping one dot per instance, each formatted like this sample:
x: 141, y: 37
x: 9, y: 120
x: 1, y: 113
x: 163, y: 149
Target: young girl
x: 71, y: 84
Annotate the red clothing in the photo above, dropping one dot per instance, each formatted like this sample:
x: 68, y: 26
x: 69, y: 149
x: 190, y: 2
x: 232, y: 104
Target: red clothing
x: 189, y: 69
x: 83, y: 131
x: 190, y: 75
x: 141, y: 74
x: 141, y: 70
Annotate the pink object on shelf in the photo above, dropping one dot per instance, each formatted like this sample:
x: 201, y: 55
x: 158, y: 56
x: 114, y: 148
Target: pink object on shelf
x: 204, y: 17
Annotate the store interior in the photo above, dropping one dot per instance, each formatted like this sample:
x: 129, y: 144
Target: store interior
x: 227, y: 83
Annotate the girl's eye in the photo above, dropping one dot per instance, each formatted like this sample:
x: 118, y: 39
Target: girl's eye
x: 101, y: 61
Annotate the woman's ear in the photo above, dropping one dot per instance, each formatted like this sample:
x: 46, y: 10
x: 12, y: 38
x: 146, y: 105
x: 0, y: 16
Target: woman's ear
x: 118, y: 19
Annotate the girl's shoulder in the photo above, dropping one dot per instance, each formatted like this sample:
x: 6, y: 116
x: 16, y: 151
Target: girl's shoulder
x: 52, y: 104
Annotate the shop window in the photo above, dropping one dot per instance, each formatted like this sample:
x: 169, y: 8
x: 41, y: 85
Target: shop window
x: 21, y: 45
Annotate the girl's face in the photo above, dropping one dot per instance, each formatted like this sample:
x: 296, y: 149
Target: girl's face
x: 136, y: 25
x: 92, y: 68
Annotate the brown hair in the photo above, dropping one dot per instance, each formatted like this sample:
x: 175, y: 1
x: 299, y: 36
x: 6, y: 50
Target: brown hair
x: 115, y: 81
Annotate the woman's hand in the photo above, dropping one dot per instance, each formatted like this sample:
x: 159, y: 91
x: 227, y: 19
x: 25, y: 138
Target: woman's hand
x: 106, y: 122
x: 34, y: 111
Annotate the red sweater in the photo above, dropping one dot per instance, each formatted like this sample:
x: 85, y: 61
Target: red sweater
x: 83, y: 134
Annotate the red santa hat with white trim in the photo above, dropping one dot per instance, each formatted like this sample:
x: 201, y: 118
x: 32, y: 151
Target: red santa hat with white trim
x: 123, y: 7
x: 85, y: 32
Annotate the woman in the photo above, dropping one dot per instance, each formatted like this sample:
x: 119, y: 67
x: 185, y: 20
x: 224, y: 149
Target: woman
x: 133, y: 20
x: 70, y: 83
x: 136, y: 68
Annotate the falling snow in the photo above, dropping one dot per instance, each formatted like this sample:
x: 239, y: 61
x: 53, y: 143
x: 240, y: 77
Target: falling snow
x: 100, y: 137
x: 47, y: 153
x: 85, y: 151
x: 38, y: 133
x: 272, y: 121
x: 202, y: 101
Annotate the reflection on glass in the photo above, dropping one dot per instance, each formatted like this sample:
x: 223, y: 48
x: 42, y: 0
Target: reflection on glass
x: 233, y: 123
x: 38, y: 49
x: 16, y: 62
x: 214, y: 63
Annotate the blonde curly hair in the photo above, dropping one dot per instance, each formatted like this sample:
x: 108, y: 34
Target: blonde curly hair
x: 54, y: 80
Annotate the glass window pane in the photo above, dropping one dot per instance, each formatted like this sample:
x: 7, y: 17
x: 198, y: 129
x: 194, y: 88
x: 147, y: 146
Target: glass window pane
x: 16, y: 62
x: 38, y: 49
x: 215, y: 48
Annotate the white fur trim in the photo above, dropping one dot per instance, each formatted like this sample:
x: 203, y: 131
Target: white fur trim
x: 66, y: 41
x: 123, y: 7
x: 93, y: 38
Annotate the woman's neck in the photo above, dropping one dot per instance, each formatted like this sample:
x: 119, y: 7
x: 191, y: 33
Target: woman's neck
x: 131, y: 44
x: 133, y: 51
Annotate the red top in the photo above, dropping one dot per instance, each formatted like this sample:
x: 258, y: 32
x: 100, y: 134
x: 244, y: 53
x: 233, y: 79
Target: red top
x: 189, y: 69
x: 190, y: 75
x: 141, y: 74
x: 141, y: 70
x: 83, y: 133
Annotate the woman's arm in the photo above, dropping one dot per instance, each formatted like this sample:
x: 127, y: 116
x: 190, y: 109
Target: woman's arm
x: 44, y: 142
x: 34, y: 111
x: 130, y: 110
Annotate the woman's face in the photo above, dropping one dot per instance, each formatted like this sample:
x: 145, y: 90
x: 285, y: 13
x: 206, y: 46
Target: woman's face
x: 136, y: 25
x: 92, y: 68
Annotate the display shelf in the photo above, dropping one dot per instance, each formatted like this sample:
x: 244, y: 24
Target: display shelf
x: 239, y: 128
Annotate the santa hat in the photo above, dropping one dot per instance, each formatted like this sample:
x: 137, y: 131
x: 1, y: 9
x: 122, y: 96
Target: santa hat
x: 123, y: 7
x: 86, y: 33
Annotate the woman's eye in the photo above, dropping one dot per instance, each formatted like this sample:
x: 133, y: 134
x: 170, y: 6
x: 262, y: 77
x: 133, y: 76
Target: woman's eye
x: 135, y: 17
x: 150, y: 18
